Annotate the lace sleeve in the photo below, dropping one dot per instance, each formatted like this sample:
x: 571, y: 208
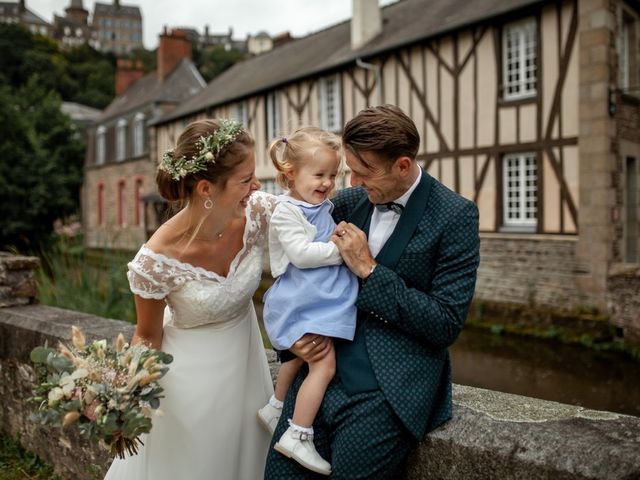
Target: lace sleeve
x: 150, y: 276
x: 262, y: 206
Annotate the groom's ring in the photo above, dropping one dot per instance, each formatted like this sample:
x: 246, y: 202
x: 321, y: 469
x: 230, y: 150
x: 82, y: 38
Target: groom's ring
x: 314, y: 342
x: 342, y: 232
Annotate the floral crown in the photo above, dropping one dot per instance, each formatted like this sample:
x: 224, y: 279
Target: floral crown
x: 208, y: 148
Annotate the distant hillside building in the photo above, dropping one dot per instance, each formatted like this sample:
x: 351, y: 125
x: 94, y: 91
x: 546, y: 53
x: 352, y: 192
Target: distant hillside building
x: 118, y: 27
x: 74, y: 29
x: 17, y: 12
x: 259, y: 43
x: 208, y: 39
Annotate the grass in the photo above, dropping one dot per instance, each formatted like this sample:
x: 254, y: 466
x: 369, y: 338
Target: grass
x: 73, y: 280
x: 18, y: 464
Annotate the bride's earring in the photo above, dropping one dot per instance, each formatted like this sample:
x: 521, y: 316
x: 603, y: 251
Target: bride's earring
x: 208, y: 204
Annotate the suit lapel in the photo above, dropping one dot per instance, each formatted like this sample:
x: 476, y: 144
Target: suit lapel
x: 411, y: 216
x: 360, y: 216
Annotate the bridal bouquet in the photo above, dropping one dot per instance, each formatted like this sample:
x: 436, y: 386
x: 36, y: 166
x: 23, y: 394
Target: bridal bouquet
x: 112, y: 392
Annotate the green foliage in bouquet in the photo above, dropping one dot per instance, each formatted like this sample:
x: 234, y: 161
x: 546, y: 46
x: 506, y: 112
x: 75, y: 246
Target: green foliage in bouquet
x: 112, y: 392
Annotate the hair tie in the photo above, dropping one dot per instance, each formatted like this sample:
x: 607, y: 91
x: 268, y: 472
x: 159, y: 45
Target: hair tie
x: 284, y: 140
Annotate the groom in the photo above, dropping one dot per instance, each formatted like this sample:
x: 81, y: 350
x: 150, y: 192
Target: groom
x: 414, y: 245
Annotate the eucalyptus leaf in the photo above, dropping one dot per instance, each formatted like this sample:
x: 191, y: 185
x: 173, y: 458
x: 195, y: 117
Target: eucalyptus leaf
x: 40, y: 354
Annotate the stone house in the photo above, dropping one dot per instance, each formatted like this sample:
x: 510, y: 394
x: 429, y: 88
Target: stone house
x: 17, y: 12
x: 120, y: 167
x: 118, y: 27
x: 73, y: 29
x: 529, y: 108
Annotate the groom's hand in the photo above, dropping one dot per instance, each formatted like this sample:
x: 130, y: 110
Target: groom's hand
x: 354, y: 248
x: 312, y: 347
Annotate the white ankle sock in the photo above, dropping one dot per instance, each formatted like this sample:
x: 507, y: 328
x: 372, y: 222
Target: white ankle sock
x: 275, y: 403
x: 298, y: 428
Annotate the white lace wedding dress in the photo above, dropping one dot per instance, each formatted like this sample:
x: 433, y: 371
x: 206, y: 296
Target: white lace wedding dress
x: 219, y: 377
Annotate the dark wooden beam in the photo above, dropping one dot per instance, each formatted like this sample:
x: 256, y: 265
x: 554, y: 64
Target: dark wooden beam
x: 422, y: 99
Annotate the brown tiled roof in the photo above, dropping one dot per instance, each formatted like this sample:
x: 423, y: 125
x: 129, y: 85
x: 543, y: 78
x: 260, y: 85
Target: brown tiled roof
x: 404, y: 22
x: 183, y: 82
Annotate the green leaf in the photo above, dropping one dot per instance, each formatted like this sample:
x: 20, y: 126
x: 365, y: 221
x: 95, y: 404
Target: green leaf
x: 40, y: 354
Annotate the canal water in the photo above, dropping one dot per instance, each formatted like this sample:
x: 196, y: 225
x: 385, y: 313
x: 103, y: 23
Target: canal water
x: 547, y: 369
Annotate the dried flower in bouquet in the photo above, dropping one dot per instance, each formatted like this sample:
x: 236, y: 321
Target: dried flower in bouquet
x: 110, y: 391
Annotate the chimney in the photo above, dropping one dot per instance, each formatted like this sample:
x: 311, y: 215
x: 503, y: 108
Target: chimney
x: 128, y: 72
x: 174, y: 46
x: 366, y: 22
x: 22, y: 6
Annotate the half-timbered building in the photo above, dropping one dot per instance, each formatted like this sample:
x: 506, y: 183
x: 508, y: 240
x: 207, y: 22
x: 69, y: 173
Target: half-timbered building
x: 529, y: 108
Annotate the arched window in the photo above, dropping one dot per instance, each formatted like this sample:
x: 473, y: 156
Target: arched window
x: 139, y: 206
x: 138, y: 134
x: 100, y: 204
x: 121, y: 140
x: 101, y: 145
x: 121, y: 204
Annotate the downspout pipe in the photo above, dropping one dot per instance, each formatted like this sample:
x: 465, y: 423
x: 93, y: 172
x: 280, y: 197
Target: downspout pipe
x: 376, y: 71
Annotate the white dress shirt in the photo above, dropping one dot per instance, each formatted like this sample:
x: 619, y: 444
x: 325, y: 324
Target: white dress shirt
x: 384, y: 223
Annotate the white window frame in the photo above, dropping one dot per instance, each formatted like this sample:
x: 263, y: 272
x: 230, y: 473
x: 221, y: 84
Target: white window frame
x: 241, y: 113
x: 121, y: 139
x: 273, y: 115
x: 519, y: 44
x: 101, y: 145
x: 138, y: 134
x: 331, y: 103
x: 520, y: 194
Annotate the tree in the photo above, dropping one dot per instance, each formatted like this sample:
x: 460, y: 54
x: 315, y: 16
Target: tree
x: 40, y: 165
x: 81, y: 75
x: 212, y: 61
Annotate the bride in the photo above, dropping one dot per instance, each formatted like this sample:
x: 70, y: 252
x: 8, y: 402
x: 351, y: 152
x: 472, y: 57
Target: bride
x: 193, y: 282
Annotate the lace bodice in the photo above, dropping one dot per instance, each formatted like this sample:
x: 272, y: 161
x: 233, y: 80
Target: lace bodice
x: 196, y: 296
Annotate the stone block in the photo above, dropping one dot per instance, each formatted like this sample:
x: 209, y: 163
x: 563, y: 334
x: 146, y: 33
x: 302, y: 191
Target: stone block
x: 508, y: 436
x: 595, y: 72
x: 597, y: 36
x: 601, y: 18
x: 595, y: 145
x: 588, y: 6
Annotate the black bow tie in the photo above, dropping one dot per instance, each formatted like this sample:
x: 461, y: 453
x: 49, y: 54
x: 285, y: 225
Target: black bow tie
x: 393, y: 206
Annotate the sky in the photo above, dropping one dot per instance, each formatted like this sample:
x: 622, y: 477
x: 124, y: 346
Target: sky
x: 299, y: 17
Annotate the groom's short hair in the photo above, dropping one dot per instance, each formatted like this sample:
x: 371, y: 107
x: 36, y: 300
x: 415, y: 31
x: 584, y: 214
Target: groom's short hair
x: 384, y: 130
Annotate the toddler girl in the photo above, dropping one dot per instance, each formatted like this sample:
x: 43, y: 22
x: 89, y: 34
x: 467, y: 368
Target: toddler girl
x: 313, y: 292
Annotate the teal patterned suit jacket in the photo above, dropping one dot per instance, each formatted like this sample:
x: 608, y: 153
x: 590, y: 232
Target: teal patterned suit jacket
x: 415, y: 302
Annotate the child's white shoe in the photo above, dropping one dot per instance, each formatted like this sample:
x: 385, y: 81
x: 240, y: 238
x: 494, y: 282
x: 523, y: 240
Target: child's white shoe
x: 299, y: 447
x: 268, y: 417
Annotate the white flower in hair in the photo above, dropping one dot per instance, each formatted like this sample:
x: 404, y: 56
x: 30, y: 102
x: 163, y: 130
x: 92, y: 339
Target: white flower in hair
x: 208, y: 148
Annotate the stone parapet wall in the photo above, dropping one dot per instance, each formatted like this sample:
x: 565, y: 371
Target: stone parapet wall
x: 491, y: 435
x: 533, y: 270
x: 17, y: 282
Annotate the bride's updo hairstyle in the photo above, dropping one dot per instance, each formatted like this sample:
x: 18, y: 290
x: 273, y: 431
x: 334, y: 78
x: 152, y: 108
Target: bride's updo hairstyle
x: 179, y: 187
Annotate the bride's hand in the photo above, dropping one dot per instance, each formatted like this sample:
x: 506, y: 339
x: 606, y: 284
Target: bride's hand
x: 312, y: 347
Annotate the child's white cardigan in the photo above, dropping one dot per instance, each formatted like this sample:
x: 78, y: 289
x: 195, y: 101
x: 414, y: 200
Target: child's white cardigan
x: 291, y: 241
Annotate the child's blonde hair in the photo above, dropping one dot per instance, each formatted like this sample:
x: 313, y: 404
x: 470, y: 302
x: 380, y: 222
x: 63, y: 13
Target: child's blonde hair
x: 289, y: 153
